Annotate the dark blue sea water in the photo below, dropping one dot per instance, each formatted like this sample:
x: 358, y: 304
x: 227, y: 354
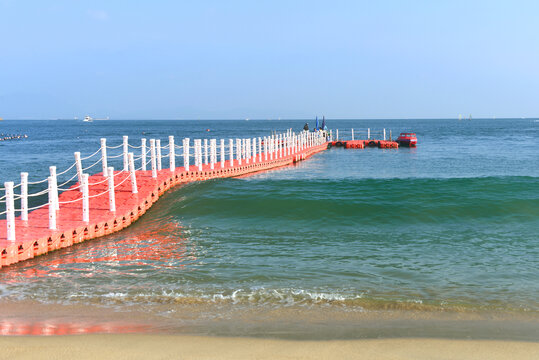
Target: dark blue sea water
x: 447, y: 231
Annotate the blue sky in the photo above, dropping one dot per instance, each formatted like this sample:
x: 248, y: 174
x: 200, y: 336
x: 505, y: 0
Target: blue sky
x: 268, y: 59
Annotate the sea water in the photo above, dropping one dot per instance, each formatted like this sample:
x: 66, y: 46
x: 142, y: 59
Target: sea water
x: 438, y: 240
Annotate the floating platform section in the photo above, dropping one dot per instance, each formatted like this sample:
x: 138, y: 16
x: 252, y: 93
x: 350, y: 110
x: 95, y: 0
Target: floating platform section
x: 361, y: 144
x: 134, y: 193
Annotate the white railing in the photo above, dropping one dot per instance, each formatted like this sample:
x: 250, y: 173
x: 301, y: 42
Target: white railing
x: 360, y: 134
x: 77, y: 175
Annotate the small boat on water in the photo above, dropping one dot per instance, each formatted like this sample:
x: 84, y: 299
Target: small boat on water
x: 88, y: 119
x: 407, y: 139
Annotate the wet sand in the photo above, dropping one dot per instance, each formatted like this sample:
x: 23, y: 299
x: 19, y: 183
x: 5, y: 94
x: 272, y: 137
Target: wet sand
x: 135, y: 346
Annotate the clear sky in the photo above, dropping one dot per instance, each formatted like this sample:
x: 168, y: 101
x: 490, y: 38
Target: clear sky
x: 268, y: 59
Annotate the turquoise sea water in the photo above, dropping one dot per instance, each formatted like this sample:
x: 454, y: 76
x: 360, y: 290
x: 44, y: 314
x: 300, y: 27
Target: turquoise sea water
x: 347, y: 238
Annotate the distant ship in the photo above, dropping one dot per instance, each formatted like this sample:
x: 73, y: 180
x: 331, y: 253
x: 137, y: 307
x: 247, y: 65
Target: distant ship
x: 88, y: 119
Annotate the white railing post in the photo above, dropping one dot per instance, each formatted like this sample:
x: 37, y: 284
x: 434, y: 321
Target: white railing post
x: 205, y: 151
x: 384, y: 133
x: 171, y: 154
x: 199, y: 152
x: 186, y: 154
x: 352, y: 134
x: 238, y: 150
x: 281, y: 145
x: 24, y: 196
x: 126, y: 149
x: 196, y: 151
x: 134, y: 189
x: 112, y: 195
x: 270, y: 147
x: 368, y: 133
x: 85, y: 199
x: 247, y: 146
x: 213, y: 152
x: 337, y: 135
x: 52, y: 209
x: 153, y: 160
x: 223, y: 153
x: 260, y: 149
x: 143, y: 155
x: 231, y: 149
x: 254, y: 150
x: 55, y: 187
x: 266, y: 141
x: 104, y: 156
x: 79, y: 168
x: 10, y: 210
x: 158, y: 147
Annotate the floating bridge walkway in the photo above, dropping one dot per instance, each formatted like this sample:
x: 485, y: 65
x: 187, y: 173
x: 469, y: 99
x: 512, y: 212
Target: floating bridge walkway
x: 110, y: 200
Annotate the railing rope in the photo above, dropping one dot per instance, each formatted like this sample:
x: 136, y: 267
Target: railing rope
x: 52, y: 208
x: 112, y: 195
x: 104, y: 156
x: 134, y: 189
x: 85, y: 199
x: 125, y: 150
x: 24, y: 196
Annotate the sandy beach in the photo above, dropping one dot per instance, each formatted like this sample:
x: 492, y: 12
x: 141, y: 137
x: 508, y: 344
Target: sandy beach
x: 200, y: 347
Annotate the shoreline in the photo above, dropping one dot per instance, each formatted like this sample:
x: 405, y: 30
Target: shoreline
x: 136, y: 346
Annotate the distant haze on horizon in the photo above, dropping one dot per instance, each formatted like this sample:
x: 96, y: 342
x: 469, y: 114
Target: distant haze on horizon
x: 268, y: 59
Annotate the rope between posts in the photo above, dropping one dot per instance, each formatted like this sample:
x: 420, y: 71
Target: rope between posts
x: 71, y: 179
x: 87, y: 157
x: 71, y: 188
x: 66, y: 170
x: 70, y: 201
x: 43, y: 192
x: 115, y: 147
x: 97, y: 183
x: 134, y: 147
x: 96, y: 195
x: 120, y: 183
x: 37, y: 207
x: 37, y: 182
x: 115, y: 156
x: 3, y: 197
x: 4, y: 212
x: 91, y: 166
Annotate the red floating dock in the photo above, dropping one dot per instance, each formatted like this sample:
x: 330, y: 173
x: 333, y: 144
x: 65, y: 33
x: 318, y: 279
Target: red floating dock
x: 34, y: 238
